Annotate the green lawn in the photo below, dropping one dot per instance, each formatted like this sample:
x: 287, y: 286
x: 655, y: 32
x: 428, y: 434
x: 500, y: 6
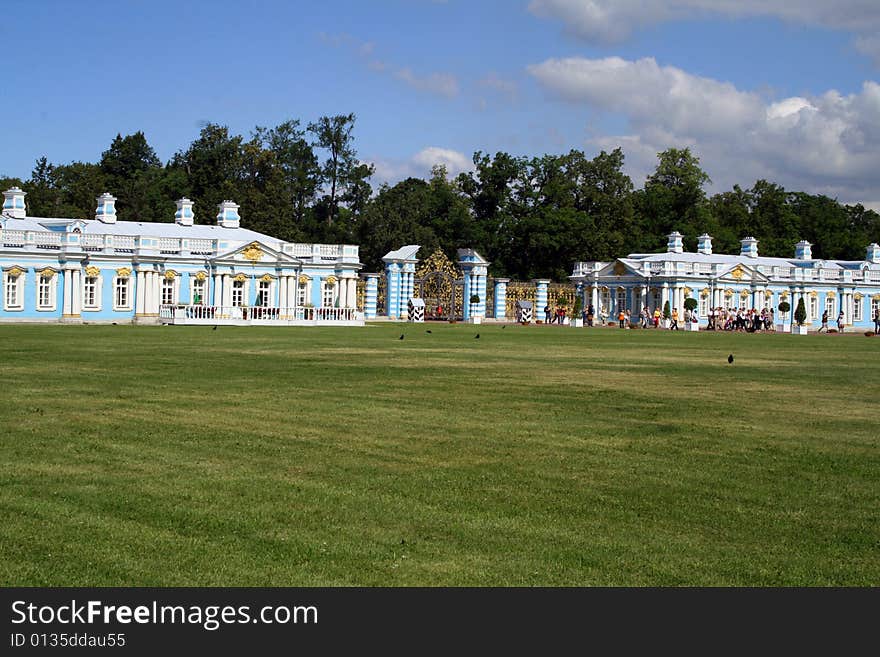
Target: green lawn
x: 532, y: 456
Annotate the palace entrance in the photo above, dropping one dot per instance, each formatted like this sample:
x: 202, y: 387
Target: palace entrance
x: 440, y: 284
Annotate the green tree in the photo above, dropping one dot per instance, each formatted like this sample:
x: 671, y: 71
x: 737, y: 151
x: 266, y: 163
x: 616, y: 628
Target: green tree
x: 334, y: 134
x: 800, y: 313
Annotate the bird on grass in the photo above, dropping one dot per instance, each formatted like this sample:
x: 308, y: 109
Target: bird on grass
x: 428, y: 331
x: 730, y: 359
x: 503, y: 326
x: 214, y: 329
x: 477, y: 336
x: 401, y: 337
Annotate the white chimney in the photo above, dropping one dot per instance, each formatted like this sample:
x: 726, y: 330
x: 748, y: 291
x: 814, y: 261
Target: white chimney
x: 674, y: 242
x: 106, y: 210
x: 803, y: 250
x: 873, y: 254
x: 184, y: 215
x: 13, y: 203
x: 227, y: 217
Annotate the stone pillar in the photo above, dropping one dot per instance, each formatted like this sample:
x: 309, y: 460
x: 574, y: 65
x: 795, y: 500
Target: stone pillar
x: 227, y: 291
x: 541, y: 285
x: 76, y: 293
x: 66, y: 309
x: 500, y: 297
x: 352, y: 292
x: 594, y: 299
x: 371, y: 294
x: 282, y: 291
x: 139, y: 294
x: 392, y: 291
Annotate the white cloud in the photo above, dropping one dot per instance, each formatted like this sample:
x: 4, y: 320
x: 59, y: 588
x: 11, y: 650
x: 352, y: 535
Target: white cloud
x: 443, y: 84
x: 609, y: 21
x: 826, y: 144
x: 420, y: 164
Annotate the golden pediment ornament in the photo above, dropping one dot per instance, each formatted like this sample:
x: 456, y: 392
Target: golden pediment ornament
x: 688, y: 291
x: 241, y: 278
x: 252, y: 252
x: 857, y: 296
x: 47, y: 273
x: 814, y: 294
x: 267, y: 278
x: 876, y: 297
x: 170, y: 275
x: 783, y: 294
x: 738, y: 273
x: 704, y: 292
x: 330, y: 280
x: 303, y: 279
x: 200, y: 276
x: 123, y: 272
x: 92, y: 271
x: 831, y: 295
x: 619, y: 268
x: 15, y: 272
x: 768, y: 294
x: 728, y: 293
x: 744, y: 294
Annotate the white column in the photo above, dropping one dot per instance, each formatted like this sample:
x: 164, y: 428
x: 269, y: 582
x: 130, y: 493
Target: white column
x: 139, y: 294
x: 352, y: 293
x: 282, y: 292
x: 594, y: 299
x: 217, y: 299
x: 227, y: 291
x: 68, y: 282
x: 294, y: 292
x: 76, y: 293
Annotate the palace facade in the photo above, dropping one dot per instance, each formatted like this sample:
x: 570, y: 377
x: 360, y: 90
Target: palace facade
x: 105, y: 270
x: 746, y: 281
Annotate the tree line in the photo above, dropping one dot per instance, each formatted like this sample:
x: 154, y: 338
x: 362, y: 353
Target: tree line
x: 530, y: 216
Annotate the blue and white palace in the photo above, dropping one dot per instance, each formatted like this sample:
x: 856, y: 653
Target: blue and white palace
x: 746, y: 281
x: 105, y: 270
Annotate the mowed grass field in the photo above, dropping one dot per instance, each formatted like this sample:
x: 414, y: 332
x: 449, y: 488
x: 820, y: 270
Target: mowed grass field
x: 530, y: 456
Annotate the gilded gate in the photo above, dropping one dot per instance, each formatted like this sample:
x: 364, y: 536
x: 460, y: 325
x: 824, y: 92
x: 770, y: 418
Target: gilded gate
x: 440, y: 284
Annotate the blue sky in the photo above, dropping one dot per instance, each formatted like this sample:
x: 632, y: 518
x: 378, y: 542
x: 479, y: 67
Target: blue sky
x: 780, y: 90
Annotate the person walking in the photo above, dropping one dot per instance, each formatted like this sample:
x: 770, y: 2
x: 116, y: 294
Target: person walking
x: 877, y: 322
x: 824, y: 322
x: 840, y: 322
x: 547, y: 317
x: 674, y: 325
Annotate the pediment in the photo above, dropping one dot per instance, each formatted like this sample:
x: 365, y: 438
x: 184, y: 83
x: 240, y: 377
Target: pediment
x: 740, y: 273
x: 620, y: 268
x: 255, y: 253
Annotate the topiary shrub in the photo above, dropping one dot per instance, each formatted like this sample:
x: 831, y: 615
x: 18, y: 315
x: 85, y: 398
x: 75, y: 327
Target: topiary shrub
x: 666, y: 312
x: 784, y: 306
x: 690, y: 304
x: 800, y: 313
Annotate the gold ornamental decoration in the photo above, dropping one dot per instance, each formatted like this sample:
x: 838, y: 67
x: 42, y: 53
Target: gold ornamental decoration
x: 303, y: 279
x: 744, y: 294
x: 619, y: 268
x: 704, y: 292
x: 783, y: 294
x: 876, y: 297
x: 688, y: 291
x: 252, y: 252
x: 241, y: 278
x: 92, y: 271
x: 330, y: 281
x: 123, y: 272
x: 768, y: 294
x: 738, y: 273
x: 15, y: 272
x: 266, y: 278
x: 200, y: 276
x: 170, y: 275
x: 857, y: 296
x: 728, y: 293
x: 830, y: 294
x: 814, y: 294
x: 47, y: 273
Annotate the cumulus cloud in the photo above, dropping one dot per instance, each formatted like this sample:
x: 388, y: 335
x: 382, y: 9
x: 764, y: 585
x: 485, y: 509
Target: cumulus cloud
x: 442, y: 84
x: 609, y: 21
x: 827, y: 144
x: 420, y: 164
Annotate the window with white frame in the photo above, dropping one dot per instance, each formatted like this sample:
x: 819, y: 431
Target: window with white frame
x: 46, y: 291
x: 605, y: 301
x: 13, y: 289
x: 237, y: 293
x: 704, y: 306
x: 198, y: 289
x: 875, y: 308
x: 857, y: 309
x: 122, y: 293
x: 264, y: 290
x: 168, y: 289
x: 91, y: 298
x: 829, y: 307
x: 621, y: 300
x: 302, y: 294
x: 328, y: 295
x: 768, y: 301
x: 814, y: 308
x: 743, y: 301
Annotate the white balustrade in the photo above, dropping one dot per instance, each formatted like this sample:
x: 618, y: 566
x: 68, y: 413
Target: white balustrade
x: 184, y: 314
x: 13, y: 238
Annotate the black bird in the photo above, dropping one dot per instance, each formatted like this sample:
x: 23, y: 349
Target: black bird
x: 477, y: 336
x: 503, y: 326
x: 730, y: 359
x: 214, y: 329
x: 428, y: 331
x: 401, y: 337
